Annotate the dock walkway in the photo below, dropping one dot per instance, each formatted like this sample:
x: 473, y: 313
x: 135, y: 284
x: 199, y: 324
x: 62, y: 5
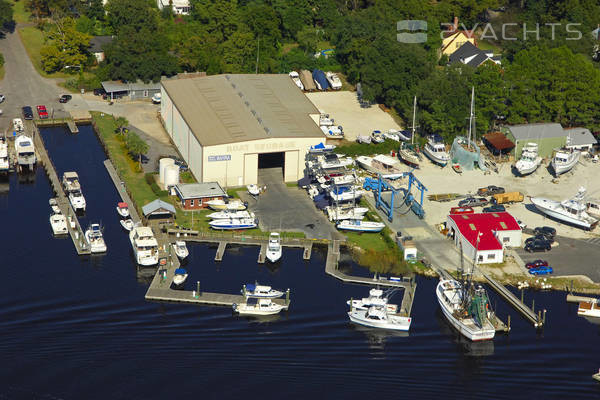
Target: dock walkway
x: 112, y: 172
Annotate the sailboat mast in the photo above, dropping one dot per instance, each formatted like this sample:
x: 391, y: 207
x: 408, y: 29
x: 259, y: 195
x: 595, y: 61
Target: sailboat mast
x: 412, y: 138
x: 471, y: 116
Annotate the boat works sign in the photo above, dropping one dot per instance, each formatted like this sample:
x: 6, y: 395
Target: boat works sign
x: 226, y: 157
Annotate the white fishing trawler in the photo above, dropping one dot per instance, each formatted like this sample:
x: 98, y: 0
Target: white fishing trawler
x: 435, y: 150
x: 145, y: 246
x: 254, y: 306
x: 274, y: 247
x: 529, y: 161
x: 564, y: 161
x: 573, y: 211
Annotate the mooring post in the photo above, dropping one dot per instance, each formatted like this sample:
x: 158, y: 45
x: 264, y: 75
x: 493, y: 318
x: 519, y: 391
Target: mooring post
x: 544, y: 318
x: 533, y: 305
x: 508, y: 322
x: 351, y: 302
x: 522, y: 295
x: 198, y: 287
x: 244, y: 290
x: 287, y: 297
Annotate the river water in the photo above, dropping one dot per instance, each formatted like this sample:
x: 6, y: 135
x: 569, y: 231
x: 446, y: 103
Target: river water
x: 79, y: 328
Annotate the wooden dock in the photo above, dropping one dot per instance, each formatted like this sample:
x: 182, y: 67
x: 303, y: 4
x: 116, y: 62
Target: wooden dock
x: 262, y: 254
x: 120, y: 186
x: 62, y: 201
x: 307, y: 251
x: 72, y: 126
x: 220, y: 251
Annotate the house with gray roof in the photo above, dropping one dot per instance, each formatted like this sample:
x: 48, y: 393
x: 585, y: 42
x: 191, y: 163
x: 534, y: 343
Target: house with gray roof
x: 97, y: 44
x: 470, y: 55
x: 133, y: 90
x: 196, y: 195
x: 580, y: 139
x: 159, y: 209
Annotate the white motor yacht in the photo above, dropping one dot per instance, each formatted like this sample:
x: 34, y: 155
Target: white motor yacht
x: 181, y: 249
x: 573, y: 211
x: 378, y: 317
x: 70, y: 182
x: 180, y: 276
x: 230, y: 214
x: 564, y: 161
x: 375, y: 299
x: 435, y: 150
x: 127, y: 224
x: 77, y: 200
x: 58, y: 222
x: 25, y: 151
x: 254, y: 306
x: 254, y: 190
x: 263, y: 291
x: 123, y: 209
x: 145, y: 246
x: 529, y: 161
x: 93, y: 235
x: 334, y: 80
x: 4, y: 160
x: 274, y: 247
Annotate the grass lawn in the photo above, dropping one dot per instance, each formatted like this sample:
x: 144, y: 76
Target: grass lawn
x: 360, y: 149
x: 33, y: 40
x: 20, y: 15
x: 186, y: 177
x: 2, y: 71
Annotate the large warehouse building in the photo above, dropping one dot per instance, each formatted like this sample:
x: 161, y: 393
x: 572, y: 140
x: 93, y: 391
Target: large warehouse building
x: 227, y: 127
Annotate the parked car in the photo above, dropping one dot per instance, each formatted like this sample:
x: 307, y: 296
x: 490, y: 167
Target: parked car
x: 473, y: 202
x: 490, y: 190
x: 99, y: 92
x: 64, y: 98
x: 544, y: 270
x: 27, y: 112
x: 537, y: 245
x: 539, y: 238
x: 545, y: 230
x: 2, y: 98
x: 494, y: 208
x: 42, y: 112
x: 536, y: 264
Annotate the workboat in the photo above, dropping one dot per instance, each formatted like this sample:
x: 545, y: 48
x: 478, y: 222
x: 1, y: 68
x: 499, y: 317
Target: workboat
x: 253, y: 189
x: 123, y: 209
x: 70, y: 182
x: 340, y: 213
x: 529, y: 161
x: 573, y: 211
x: 25, y: 151
x: 230, y: 214
x: 254, y: 306
x: 296, y: 78
x: 181, y: 249
x: 360, y: 226
x: 564, y: 161
x: 380, y: 164
x: 233, y: 223
x: 321, y: 148
x: 589, y: 309
x: 219, y: 205
x: 145, y: 246
x: 376, y: 299
x: 93, y: 235
x: 334, y: 80
x: 58, y: 222
x: 4, y: 161
x: 54, y: 205
x: 263, y: 291
x: 127, y: 224
x: 466, y: 308
x: 328, y: 161
x: 435, y: 150
x: 180, y: 276
x: 274, y: 247
x: 345, y: 193
x: 77, y: 200
x: 379, y: 317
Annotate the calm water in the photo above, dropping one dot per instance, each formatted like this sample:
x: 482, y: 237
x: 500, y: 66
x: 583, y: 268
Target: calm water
x: 79, y: 328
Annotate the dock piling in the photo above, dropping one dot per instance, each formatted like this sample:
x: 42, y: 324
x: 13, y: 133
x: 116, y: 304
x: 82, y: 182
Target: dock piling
x: 287, y: 296
x: 198, y: 287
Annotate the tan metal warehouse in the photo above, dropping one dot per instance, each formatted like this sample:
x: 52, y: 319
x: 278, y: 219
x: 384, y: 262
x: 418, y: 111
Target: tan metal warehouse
x: 226, y: 127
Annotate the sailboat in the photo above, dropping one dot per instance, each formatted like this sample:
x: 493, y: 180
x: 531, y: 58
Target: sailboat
x: 464, y: 151
x: 408, y: 152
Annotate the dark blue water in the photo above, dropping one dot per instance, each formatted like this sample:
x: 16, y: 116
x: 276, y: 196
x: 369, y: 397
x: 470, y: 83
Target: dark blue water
x: 79, y: 328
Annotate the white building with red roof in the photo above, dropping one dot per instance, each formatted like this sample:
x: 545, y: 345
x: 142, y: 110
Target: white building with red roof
x: 484, y: 235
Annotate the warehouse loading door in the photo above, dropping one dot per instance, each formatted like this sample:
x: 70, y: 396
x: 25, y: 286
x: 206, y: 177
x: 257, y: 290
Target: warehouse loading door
x: 274, y: 163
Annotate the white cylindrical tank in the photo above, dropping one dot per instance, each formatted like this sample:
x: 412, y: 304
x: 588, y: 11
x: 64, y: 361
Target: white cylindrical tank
x: 171, y: 175
x: 162, y: 164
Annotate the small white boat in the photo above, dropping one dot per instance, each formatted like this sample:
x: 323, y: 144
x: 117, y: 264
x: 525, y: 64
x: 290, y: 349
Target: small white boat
x: 296, y: 78
x: 58, y: 222
x: 262, y: 291
x: 274, y: 247
x: 529, y: 161
x: 254, y: 306
x: 375, y: 299
x: 253, y: 189
x: 180, y: 276
x: 25, y: 151
x: 230, y: 214
x: 339, y: 213
x: 77, y: 200
x: 233, y: 223
x: 54, y: 205
x: 328, y: 161
x: 93, y: 235
x: 409, y: 154
x: 336, y: 132
x: 219, y: 205
x: 377, y: 137
x: 345, y: 193
x: 324, y: 120
x: 334, y: 80
x: 573, y: 211
x: 360, y: 226
x: 392, y: 134
x: 70, y: 182
x: 564, y: 161
x: 123, y: 209
x: 127, y: 224
x: 321, y: 148
x: 435, y: 150
x: 589, y: 309
x: 378, y: 317
x: 365, y: 139
x: 181, y: 249
x: 4, y: 159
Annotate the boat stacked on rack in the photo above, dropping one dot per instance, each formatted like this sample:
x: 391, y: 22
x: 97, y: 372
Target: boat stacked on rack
x: 25, y: 151
x: 435, y: 150
x: 235, y: 205
x: 95, y: 239
x: 70, y: 182
x: 331, y: 160
x: 340, y: 213
x: 529, y: 161
x: 564, y: 160
x: 180, y: 249
x: 145, y: 246
x: 321, y: 148
x: 345, y: 193
x: 4, y: 160
x: 573, y: 211
x: 274, y: 247
x: 233, y: 223
x: 357, y: 225
x: 58, y: 222
x: 380, y: 164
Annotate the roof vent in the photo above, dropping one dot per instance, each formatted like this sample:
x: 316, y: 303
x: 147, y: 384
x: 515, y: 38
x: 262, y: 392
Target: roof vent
x: 267, y: 130
x: 233, y: 85
x: 247, y: 103
x: 259, y: 119
x: 228, y: 77
x: 253, y: 112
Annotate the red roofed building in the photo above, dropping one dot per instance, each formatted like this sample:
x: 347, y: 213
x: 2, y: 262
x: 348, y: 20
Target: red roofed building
x: 485, y: 233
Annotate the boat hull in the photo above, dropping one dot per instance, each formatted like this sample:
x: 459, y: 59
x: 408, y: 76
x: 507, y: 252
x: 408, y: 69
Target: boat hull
x: 545, y: 206
x: 179, y: 279
x: 561, y: 168
x: 402, y: 323
x: 409, y: 158
x: 442, y: 162
x: 273, y: 256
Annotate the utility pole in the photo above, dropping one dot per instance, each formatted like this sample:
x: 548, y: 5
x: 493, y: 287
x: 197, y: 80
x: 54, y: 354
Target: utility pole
x: 257, y: 54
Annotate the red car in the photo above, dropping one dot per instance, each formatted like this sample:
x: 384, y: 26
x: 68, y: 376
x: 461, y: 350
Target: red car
x: 537, y: 264
x: 42, y: 112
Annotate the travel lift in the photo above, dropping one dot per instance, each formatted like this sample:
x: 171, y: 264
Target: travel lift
x: 380, y: 185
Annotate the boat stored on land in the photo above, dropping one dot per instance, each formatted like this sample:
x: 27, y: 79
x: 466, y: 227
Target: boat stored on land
x: 334, y: 80
x: 144, y: 244
x: 123, y: 209
x: 340, y: 213
x: 564, y: 161
x: 18, y: 125
x: 253, y: 190
x: 296, y: 79
x: 378, y: 317
x: 58, y: 222
x: 573, y: 211
x: 529, y: 161
x: 435, y: 150
x: 233, y: 223
x: 328, y: 161
x: 263, y: 291
x: 180, y: 276
x: 219, y: 205
x: 345, y: 193
x: 380, y: 164
x: 230, y: 214
x: 274, y: 247
x: 94, y: 237
x: 360, y: 226
x: 181, y: 249
x: 70, y: 182
x: 54, y: 205
x: 25, y: 151
x: 254, y: 306
x: 409, y: 152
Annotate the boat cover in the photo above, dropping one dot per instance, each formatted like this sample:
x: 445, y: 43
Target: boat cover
x: 318, y: 146
x: 180, y: 271
x: 122, y: 205
x: 250, y: 287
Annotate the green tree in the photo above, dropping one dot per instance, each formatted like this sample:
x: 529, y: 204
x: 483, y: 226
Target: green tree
x: 135, y: 145
x: 65, y: 46
x: 6, y: 14
x: 309, y: 38
x: 220, y: 17
x: 95, y: 10
x: 121, y: 123
x: 131, y: 15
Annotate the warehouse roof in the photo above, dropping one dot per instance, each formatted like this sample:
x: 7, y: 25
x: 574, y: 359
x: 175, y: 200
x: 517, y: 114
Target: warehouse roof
x: 118, y: 86
x: 580, y: 137
x: 221, y: 109
x: 199, y: 190
x: 537, y: 131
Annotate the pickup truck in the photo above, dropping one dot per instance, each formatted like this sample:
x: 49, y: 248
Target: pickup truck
x: 473, y: 202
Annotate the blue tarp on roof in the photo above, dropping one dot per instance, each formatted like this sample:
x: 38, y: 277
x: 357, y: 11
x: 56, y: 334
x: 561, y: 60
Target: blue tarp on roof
x: 180, y: 271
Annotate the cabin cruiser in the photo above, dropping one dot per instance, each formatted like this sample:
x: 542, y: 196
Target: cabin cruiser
x: 345, y: 193
x: 180, y: 276
x: 296, y: 79
x: 123, y: 209
x: 379, y: 317
x: 58, y: 222
x: 589, y: 309
x: 376, y: 299
x: 93, y: 235
x: 77, y: 200
x: 254, y: 306
x: 233, y: 223
x: 230, y: 214
x: 256, y: 290
x: 360, y: 226
x: 380, y: 164
x: 70, y: 182
x: 145, y: 246
x: 529, y: 161
x: 274, y: 247
x: 181, y: 249
x: 4, y: 161
x: 127, y: 224
x: 435, y: 150
x: 340, y: 213
x: 329, y: 161
x: 219, y: 205
x: 573, y: 211
x: 564, y: 161
x: 25, y: 151
x: 334, y: 80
